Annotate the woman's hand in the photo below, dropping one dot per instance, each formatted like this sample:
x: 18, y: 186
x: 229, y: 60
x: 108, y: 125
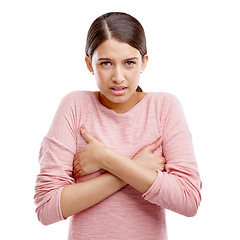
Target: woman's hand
x: 88, y: 160
x: 147, y: 158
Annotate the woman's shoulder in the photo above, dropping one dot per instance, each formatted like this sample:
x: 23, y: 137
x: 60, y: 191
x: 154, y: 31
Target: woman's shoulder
x: 166, y: 103
x: 78, y: 96
x: 163, y: 97
x: 76, y: 99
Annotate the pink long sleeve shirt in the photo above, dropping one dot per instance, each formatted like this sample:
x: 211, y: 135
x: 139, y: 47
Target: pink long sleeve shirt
x: 127, y: 214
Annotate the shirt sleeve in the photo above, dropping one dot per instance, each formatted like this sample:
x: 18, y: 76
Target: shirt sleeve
x: 56, y: 163
x: 178, y: 188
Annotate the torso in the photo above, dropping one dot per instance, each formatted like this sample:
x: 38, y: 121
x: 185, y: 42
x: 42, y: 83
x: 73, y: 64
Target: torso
x: 124, y: 215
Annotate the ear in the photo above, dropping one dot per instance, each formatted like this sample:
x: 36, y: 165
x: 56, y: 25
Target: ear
x: 89, y: 64
x: 144, y: 61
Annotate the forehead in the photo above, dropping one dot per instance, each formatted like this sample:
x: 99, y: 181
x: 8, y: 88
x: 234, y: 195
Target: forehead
x: 115, y: 50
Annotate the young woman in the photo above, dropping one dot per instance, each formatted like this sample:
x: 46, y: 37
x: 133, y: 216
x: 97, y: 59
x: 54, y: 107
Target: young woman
x: 114, y: 160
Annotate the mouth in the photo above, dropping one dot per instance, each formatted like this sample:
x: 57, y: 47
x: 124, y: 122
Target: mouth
x: 118, y: 90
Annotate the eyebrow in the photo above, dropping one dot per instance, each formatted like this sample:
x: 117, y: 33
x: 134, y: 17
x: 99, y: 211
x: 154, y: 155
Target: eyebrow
x: 109, y: 59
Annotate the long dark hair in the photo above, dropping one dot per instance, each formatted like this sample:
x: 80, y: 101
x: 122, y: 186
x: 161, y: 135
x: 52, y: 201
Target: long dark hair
x: 116, y: 25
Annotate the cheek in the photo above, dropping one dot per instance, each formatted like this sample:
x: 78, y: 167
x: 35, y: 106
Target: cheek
x: 101, y: 77
x: 134, y: 76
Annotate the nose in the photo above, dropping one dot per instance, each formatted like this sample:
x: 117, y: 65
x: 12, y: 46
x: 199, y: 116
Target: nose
x: 118, y: 75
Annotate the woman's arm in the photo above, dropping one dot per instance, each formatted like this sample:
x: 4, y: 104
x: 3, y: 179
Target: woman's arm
x: 136, y: 175
x: 55, y: 190
x: 55, y: 185
x: 139, y: 173
x: 78, y: 197
x: 177, y: 189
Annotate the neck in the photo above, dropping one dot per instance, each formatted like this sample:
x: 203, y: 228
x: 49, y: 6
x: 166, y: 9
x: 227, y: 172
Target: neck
x: 121, y: 107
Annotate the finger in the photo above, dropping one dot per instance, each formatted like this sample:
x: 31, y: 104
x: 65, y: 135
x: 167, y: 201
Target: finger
x: 163, y: 164
x: 85, y: 134
x: 76, y: 169
x: 75, y: 160
x: 75, y: 163
x: 77, y: 174
x: 162, y: 168
x: 155, y: 145
x: 163, y: 160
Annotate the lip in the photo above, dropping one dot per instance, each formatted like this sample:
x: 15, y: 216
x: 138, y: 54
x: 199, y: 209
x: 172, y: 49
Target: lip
x: 118, y: 90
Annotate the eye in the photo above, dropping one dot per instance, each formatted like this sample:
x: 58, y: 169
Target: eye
x: 105, y: 64
x: 130, y: 63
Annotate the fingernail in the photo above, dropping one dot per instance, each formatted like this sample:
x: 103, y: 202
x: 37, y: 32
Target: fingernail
x: 83, y: 127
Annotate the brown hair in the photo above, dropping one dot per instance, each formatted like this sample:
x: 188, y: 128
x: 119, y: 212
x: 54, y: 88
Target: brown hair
x: 116, y: 25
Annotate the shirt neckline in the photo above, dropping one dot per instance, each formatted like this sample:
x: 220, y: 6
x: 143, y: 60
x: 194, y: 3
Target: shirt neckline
x: 108, y: 110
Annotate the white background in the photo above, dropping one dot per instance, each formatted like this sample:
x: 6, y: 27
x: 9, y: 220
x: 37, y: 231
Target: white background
x: 194, y: 50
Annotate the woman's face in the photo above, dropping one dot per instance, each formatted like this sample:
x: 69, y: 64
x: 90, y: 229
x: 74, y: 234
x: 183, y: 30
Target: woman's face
x: 117, y: 67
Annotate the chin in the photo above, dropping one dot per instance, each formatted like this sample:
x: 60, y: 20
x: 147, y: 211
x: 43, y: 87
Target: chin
x: 118, y: 99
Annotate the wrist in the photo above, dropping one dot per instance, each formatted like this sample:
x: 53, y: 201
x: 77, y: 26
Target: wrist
x: 107, y: 159
x: 111, y: 160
